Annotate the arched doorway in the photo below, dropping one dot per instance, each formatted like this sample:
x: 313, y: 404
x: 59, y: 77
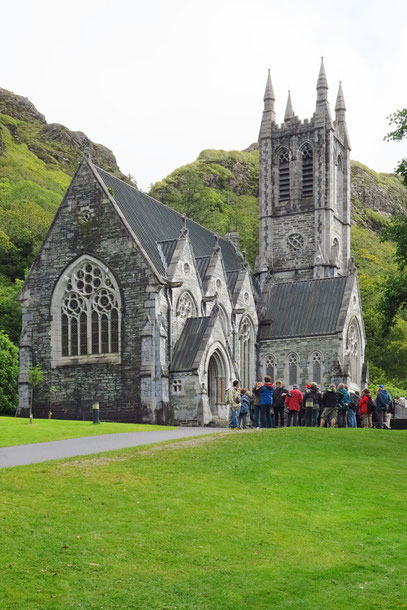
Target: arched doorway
x: 216, y: 382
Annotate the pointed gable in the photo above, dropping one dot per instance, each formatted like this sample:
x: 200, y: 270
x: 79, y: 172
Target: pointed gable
x: 153, y: 222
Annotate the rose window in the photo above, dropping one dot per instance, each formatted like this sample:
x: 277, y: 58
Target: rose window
x: 295, y: 242
x: 185, y: 308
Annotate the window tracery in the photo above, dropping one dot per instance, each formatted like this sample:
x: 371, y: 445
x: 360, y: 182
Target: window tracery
x: 270, y: 366
x: 353, y: 348
x: 245, y: 340
x: 284, y: 175
x: 292, y: 362
x: 90, y: 311
x: 316, y: 365
x: 295, y: 242
x: 186, y: 306
x: 307, y: 171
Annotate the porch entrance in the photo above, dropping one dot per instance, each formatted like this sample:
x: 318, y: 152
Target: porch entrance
x: 216, y: 382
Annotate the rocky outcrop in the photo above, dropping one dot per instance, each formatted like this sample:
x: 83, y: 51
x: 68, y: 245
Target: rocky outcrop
x: 77, y: 140
x: 19, y: 107
x: 383, y: 193
x: 52, y: 143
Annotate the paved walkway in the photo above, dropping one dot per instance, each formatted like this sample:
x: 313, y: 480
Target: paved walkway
x: 20, y: 455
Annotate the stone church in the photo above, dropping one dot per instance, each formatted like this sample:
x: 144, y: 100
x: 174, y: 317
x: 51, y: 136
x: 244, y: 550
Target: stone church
x: 139, y: 308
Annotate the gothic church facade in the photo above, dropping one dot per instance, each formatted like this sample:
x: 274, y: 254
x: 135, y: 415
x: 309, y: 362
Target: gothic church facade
x: 134, y: 306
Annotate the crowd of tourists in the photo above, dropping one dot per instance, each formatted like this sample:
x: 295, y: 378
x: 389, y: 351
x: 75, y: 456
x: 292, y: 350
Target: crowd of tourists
x: 271, y: 405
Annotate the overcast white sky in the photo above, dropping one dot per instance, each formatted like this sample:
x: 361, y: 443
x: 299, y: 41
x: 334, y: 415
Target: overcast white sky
x: 158, y: 81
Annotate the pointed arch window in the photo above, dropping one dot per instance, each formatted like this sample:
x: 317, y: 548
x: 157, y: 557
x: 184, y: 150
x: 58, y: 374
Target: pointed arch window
x: 353, y: 347
x: 292, y: 362
x: 246, y: 349
x: 339, y: 183
x: 316, y: 367
x: 270, y: 367
x: 307, y: 171
x: 86, y: 310
x: 284, y: 175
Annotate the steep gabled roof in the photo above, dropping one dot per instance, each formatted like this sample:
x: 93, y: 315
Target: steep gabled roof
x: 167, y: 249
x: 202, y: 263
x: 232, y: 279
x: 154, y: 222
x: 188, y: 344
x: 302, y: 309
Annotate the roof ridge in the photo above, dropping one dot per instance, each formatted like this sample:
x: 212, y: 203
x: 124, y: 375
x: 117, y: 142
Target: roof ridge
x: 164, y: 241
x: 313, y: 279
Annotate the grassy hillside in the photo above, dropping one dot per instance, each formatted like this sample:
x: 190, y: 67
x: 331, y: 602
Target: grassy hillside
x: 227, y: 522
x: 37, y: 162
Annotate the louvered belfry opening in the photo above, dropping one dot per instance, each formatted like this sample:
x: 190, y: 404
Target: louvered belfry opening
x: 307, y: 171
x: 284, y: 175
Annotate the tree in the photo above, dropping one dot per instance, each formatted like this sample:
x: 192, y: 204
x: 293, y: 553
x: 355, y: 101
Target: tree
x: 394, y: 299
x: 9, y: 375
x: 399, y: 119
x: 35, y: 376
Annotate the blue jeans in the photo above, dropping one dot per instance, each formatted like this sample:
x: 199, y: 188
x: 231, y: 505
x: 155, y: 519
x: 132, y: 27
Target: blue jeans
x: 265, y: 416
x: 256, y: 415
x: 233, y: 418
x: 352, y: 419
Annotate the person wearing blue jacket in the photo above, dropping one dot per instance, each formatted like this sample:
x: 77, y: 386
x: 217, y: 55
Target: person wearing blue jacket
x: 383, y: 400
x: 266, y: 403
x: 343, y: 405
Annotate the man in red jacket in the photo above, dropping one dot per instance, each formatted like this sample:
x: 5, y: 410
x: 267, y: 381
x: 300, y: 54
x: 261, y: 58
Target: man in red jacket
x: 293, y: 403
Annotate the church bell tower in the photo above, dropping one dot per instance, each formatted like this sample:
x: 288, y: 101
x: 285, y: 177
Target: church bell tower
x: 304, y: 190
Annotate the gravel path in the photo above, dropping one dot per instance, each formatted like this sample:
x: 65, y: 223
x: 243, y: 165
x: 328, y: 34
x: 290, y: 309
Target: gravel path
x: 20, y: 455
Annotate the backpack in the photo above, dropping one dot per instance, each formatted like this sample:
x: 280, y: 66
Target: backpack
x: 353, y: 403
x: 371, y: 405
x: 309, y: 400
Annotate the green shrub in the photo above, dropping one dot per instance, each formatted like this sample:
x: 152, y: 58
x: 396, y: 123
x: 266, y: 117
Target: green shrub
x: 9, y: 375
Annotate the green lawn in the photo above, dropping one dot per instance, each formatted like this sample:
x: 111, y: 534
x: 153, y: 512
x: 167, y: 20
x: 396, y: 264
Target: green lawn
x: 294, y: 518
x: 19, y: 431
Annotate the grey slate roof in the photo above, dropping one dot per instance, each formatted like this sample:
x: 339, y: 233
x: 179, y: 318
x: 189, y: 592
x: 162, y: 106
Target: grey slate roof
x: 167, y: 249
x: 202, y: 263
x: 187, y: 346
x: 154, y: 222
x: 302, y: 309
x: 231, y: 277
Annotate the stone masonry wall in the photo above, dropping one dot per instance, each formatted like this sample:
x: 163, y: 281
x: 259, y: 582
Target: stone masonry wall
x: 104, y: 236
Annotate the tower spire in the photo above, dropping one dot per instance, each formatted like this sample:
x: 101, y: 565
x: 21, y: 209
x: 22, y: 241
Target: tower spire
x: 340, y: 117
x: 322, y: 110
x: 340, y: 105
x: 269, y: 114
x: 322, y: 84
x: 289, y: 113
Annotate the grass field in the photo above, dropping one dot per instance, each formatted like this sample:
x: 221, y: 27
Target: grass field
x: 294, y: 518
x: 19, y: 431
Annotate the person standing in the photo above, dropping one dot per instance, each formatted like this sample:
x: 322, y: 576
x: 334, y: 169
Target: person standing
x: 266, y: 402
x: 353, y: 407
x: 293, y: 403
x: 366, y: 408
x: 330, y: 406
x: 278, y: 403
x: 256, y: 404
x: 311, y: 403
x: 343, y: 405
x: 383, y: 400
x: 244, y: 408
x: 233, y: 402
